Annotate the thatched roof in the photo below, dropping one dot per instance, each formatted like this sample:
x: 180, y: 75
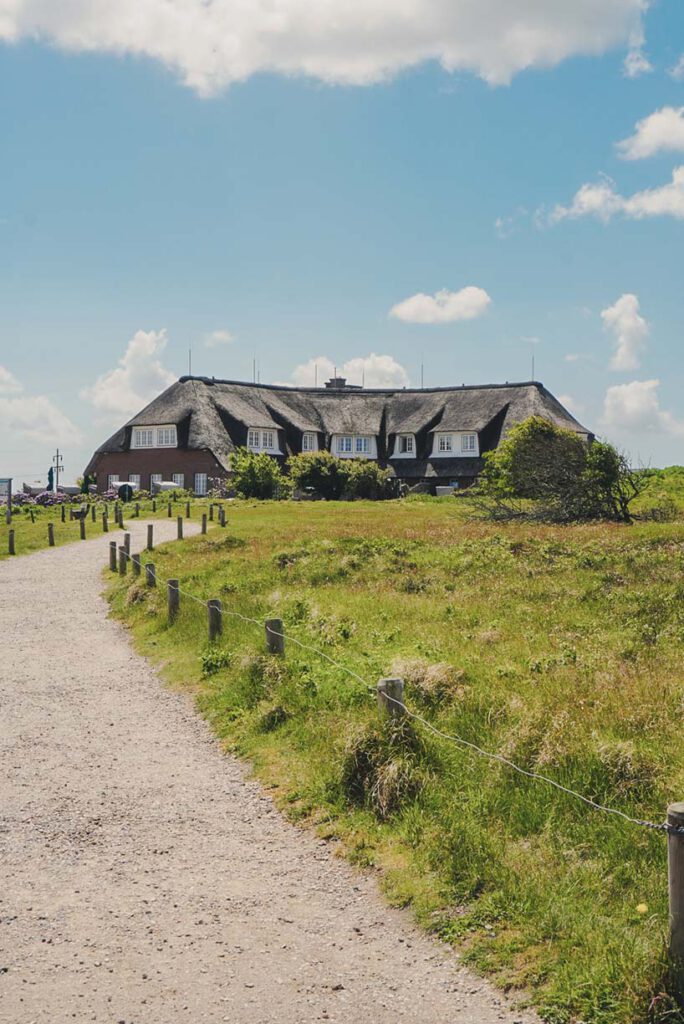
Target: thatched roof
x: 214, y: 414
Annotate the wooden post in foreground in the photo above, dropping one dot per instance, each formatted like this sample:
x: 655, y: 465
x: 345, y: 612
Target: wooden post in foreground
x: 112, y: 555
x: 127, y: 543
x: 150, y: 575
x: 154, y: 504
x: 10, y: 543
x: 675, y: 862
x: 150, y: 537
x: 51, y: 535
x: 63, y: 511
x: 82, y: 527
x: 169, y: 510
x: 275, y: 641
x: 105, y: 520
x: 204, y: 522
x: 211, y: 511
x: 187, y: 509
x: 215, y: 618
x: 173, y: 599
x: 222, y: 516
x: 179, y: 521
x: 135, y: 564
x: 123, y: 559
x: 394, y: 689
x: 93, y: 512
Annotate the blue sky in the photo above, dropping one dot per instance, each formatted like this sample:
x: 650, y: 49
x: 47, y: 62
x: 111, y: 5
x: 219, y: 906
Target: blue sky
x: 147, y: 206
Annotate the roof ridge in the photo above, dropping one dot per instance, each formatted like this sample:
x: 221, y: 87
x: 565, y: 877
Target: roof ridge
x: 187, y: 378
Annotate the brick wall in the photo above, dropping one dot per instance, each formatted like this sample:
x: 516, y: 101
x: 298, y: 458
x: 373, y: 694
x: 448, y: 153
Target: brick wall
x: 167, y: 461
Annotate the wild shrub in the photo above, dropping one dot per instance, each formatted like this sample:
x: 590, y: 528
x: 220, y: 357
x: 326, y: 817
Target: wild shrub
x: 321, y: 472
x: 257, y: 475
x: 383, y: 767
x: 214, y: 659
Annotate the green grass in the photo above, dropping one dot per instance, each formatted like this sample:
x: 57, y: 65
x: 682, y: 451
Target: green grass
x: 33, y: 536
x: 559, y: 647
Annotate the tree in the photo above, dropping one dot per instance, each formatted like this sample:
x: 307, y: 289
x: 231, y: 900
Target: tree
x: 367, y: 480
x: 256, y: 475
x: 321, y: 472
x: 544, y: 472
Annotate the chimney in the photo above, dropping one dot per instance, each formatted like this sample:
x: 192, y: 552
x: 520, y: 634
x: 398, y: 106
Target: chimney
x: 336, y: 383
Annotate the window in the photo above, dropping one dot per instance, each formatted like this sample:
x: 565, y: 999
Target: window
x: 166, y: 437
x: 178, y: 479
x: 200, y: 483
x: 134, y: 481
x: 267, y: 439
x: 344, y: 444
x: 253, y: 440
x: 309, y: 442
x: 155, y: 478
x: 112, y: 482
x: 467, y: 442
x: 445, y: 443
x: 405, y: 444
x: 143, y: 437
x: 362, y: 445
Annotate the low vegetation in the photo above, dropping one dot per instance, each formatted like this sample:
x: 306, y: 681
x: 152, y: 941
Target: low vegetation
x: 559, y: 647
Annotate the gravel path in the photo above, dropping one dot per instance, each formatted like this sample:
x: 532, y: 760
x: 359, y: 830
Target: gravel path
x: 145, y: 880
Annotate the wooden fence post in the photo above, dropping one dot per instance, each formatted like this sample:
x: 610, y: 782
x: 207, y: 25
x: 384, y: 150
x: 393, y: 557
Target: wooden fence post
x: 173, y: 599
x: 150, y: 575
x: 222, y: 516
x: 135, y: 564
x: 82, y: 527
x: 137, y: 510
x: 393, y: 689
x: 215, y: 618
x: 123, y: 559
x: 179, y: 521
x: 10, y: 543
x: 127, y: 543
x: 93, y: 513
x: 169, y: 510
x: 51, y: 535
x: 63, y: 511
x: 33, y: 518
x: 275, y: 641
x: 675, y: 861
x: 187, y: 509
x: 112, y: 555
x: 154, y: 504
x: 204, y: 522
x: 105, y: 521
x: 150, y: 537
x: 211, y: 511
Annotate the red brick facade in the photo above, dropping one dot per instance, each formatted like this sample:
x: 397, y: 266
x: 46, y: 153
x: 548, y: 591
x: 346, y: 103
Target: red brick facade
x: 145, y: 461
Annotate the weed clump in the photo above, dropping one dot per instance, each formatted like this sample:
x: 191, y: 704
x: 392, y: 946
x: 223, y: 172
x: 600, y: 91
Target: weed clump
x: 214, y: 659
x: 432, y: 684
x: 273, y: 718
x: 136, y: 594
x: 383, y: 767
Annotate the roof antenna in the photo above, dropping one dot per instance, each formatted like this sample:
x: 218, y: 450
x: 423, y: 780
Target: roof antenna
x: 315, y: 375
x: 532, y: 364
x: 254, y: 369
x: 363, y: 377
x: 190, y: 361
x: 258, y: 370
x: 422, y: 376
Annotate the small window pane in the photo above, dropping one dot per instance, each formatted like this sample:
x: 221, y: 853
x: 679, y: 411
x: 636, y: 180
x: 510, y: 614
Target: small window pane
x: 179, y: 479
x: 200, y: 483
x: 445, y: 443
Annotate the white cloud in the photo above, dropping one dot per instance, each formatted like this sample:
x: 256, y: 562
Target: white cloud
x: 8, y: 382
x: 677, y: 72
x: 570, y: 403
x: 636, y: 63
x: 373, y: 371
x: 629, y: 330
x: 216, y: 338
x: 211, y: 44
x: 635, y: 408
x: 442, y: 307
x: 138, y: 378
x: 603, y: 202
x: 32, y: 417
x: 660, y: 132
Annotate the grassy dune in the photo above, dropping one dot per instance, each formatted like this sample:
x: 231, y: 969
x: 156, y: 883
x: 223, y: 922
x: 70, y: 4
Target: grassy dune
x: 561, y: 648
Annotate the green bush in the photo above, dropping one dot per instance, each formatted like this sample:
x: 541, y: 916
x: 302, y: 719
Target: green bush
x: 368, y: 480
x: 257, y: 475
x: 321, y: 472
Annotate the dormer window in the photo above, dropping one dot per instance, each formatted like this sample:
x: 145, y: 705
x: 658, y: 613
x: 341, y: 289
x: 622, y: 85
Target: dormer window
x: 309, y: 441
x: 155, y: 437
x: 262, y: 440
x: 350, y: 446
x: 462, y: 443
x: 468, y: 443
x: 446, y: 443
x: 344, y: 445
x: 404, y: 446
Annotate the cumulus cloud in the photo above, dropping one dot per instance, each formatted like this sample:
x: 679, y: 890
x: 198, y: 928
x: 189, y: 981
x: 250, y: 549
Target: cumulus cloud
x: 442, y: 307
x: 374, y: 371
x: 138, y: 378
x: 32, y: 417
x: 210, y: 45
x: 677, y: 71
x: 8, y: 382
x: 660, y: 132
x: 629, y: 330
x: 216, y: 338
x: 636, y: 63
x: 572, y: 404
x: 635, y: 407
x: 600, y: 200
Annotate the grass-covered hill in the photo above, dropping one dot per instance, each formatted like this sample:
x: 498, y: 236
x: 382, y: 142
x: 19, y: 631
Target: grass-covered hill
x: 560, y: 648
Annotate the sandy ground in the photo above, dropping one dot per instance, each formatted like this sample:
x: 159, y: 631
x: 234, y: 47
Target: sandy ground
x: 145, y: 879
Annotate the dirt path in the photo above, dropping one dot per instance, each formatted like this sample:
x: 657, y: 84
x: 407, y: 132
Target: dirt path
x: 144, y: 879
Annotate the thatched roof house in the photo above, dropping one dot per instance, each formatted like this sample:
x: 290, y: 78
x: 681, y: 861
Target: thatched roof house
x: 427, y: 435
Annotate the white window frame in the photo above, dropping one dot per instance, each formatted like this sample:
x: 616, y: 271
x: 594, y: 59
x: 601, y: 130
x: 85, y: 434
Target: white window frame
x: 445, y: 444
x: 409, y: 449
x: 155, y: 478
x: 111, y: 481
x: 309, y: 441
x: 134, y: 481
x: 268, y: 440
x: 362, y: 445
x: 345, y: 444
x: 469, y: 443
x: 179, y: 480
x: 143, y: 437
x: 253, y: 439
x: 167, y: 436
x: 201, y: 484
